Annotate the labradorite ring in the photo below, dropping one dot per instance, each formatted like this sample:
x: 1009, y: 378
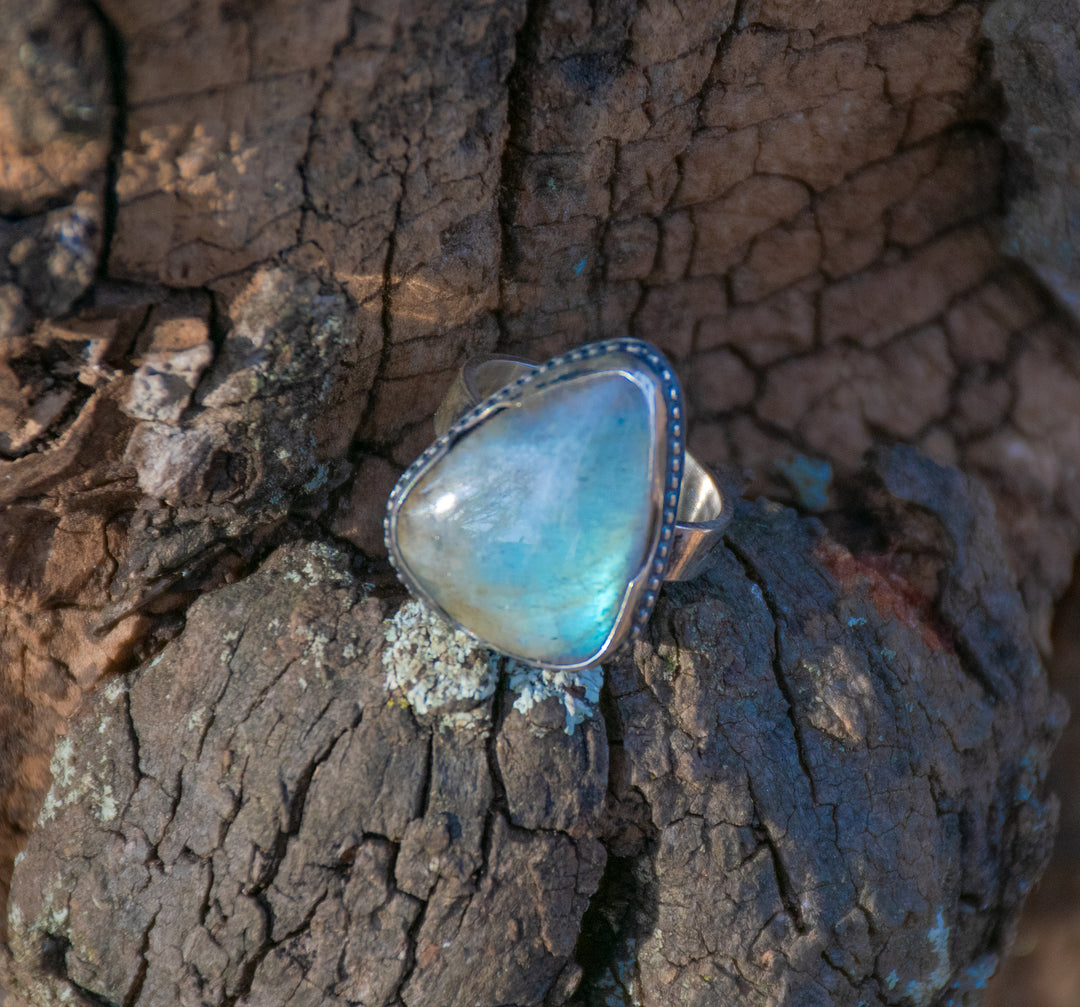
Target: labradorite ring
x: 556, y: 500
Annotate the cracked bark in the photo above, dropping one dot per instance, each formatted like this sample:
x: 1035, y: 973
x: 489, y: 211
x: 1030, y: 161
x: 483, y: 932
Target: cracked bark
x: 245, y: 250
x: 808, y: 798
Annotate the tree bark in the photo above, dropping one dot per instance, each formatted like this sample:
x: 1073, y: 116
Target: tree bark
x: 246, y: 247
x: 812, y: 783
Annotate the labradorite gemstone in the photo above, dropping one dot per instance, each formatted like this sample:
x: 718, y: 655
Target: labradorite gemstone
x: 529, y: 529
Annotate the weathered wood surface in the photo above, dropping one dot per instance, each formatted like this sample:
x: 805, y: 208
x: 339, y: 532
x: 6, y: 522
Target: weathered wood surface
x: 245, y: 246
x: 1037, y: 56
x: 812, y: 784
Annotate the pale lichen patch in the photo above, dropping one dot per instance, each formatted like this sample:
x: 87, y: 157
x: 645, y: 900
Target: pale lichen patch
x: 578, y: 691
x: 62, y: 765
x: 62, y: 768
x: 442, y: 669
x: 69, y: 786
x: 317, y: 641
x: 107, y: 808
x: 439, y: 669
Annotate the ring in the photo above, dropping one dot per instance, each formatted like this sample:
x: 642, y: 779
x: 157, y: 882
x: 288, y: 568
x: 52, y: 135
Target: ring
x: 555, y: 501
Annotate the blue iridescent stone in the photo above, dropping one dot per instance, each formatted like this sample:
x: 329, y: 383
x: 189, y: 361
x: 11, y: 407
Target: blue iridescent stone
x: 529, y: 530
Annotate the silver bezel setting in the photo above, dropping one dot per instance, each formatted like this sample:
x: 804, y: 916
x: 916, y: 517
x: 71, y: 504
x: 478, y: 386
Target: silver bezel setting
x: 633, y: 358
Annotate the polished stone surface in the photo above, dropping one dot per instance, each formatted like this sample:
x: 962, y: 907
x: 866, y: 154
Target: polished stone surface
x: 528, y: 531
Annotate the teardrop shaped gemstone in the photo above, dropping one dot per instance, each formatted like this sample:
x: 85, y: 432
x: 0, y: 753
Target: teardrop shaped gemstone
x: 530, y: 529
